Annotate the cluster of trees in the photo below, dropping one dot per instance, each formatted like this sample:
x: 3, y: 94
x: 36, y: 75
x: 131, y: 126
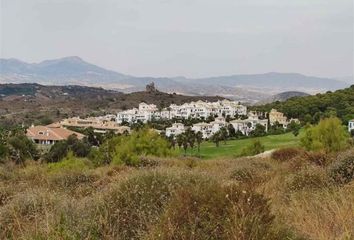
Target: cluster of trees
x: 312, y: 109
x: 187, y: 139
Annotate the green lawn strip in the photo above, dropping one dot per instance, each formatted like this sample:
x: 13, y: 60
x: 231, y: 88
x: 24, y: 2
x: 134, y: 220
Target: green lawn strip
x: 208, y: 150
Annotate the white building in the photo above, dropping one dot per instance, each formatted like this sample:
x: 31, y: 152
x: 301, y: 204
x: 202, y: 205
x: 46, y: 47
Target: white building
x: 199, y: 109
x: 351, y: 125
x: 219, y: 123
x: 145, y: 112
x: 246, y: 126
x: 176, y: 129
x: 205, y: 128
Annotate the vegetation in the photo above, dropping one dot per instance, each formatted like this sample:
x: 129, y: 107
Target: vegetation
x: 329, y: 135
x: 235, y: 147
x: 72, y: 199
x: 127, y: 149
x: 255, y: 148
x: 312, y: 109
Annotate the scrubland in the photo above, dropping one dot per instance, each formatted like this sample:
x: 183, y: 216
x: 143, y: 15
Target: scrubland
x: 292, y: 195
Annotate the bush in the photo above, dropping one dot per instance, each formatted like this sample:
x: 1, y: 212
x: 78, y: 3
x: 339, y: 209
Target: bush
x: 286, y: 154
x: 329, y: 135
x: 307, y: 179
x: 244, y: 175
x: 144, y: 142
x: 255, y: 148
x: 342, y: 172
x: 137, y: 204
x: 318, y: 158
x: 210, y: 211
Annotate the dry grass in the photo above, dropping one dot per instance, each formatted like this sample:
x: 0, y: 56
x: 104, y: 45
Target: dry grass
x: 118, y: 202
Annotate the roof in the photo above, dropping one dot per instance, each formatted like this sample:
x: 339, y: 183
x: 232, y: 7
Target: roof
x: 49, y: 133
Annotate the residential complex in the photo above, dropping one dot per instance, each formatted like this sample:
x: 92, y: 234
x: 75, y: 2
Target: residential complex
x: 147, y: 112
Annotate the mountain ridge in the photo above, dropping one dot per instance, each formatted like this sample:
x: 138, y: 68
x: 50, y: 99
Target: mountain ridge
x: 73, y: 70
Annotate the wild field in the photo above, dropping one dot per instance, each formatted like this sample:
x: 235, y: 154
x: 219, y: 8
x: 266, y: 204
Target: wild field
x: 292, y: 195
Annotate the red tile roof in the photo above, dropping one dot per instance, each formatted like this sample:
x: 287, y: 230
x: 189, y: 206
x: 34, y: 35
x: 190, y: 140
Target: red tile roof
x: 48, y: 133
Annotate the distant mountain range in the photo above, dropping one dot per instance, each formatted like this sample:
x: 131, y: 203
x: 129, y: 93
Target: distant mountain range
x: 248, y: 88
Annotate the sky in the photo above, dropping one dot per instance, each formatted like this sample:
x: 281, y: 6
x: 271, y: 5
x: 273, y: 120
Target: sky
x: 192, y: 38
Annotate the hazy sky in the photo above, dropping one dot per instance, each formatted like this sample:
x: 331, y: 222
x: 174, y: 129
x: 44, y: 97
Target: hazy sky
x: 192, y: 38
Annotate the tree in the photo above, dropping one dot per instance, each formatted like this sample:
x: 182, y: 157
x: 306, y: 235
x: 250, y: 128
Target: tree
x: 216, y: 138
x: 21, y: 148
x: 294, y: 128
x: 199, y: 139
x: 183, y: 138
x: 231, y: 130
x: 57, y: 152
x: 328, y: 135
x: 172, y: 141
x: 223, y: 134
x: 258, y: 131
x: 179, y: 140
x: 190, y: 135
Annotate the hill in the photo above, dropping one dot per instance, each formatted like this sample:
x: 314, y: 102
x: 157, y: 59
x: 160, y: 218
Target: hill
x: 34, y: 103
x: 75, y: 71
x: 313, y: 108
x: 281, y: 97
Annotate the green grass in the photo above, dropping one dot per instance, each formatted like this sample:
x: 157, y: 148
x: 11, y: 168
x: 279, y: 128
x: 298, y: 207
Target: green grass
x: 208, y: 150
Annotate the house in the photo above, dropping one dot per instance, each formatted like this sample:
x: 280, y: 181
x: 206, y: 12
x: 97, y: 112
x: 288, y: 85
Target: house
x: 275, y: 116
x: 205, y: 128
x: 176, y: 129
x: 45, y: 135
x: 351, y: 125
x: 145, y: 112
x: 218, y: 123
x: 246, y: 126
x: 279, y: 117
x: 99, y: 124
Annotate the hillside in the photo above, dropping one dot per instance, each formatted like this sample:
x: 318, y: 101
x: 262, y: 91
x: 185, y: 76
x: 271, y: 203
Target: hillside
x: 281, y: 97
x: 248, y: 88
x: 33, y: 103
x: 312, y: 108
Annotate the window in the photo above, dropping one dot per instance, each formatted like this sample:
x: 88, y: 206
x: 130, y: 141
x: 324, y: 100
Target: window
x: 41, y: 133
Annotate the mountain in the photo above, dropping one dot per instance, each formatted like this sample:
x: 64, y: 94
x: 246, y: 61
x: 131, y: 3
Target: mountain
x: 247, y: 88
x: 281, y: 97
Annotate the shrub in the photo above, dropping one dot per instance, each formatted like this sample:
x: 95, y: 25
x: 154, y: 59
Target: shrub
x: 307, y: 179
x: 342, y: 172
x: 244, y: 175
x: 286, y: 154
x: 136, y: 204
x: 144, y: 142
x: 318, y: 158
x: 255, y: 148
x: 70, y: 163
x: 328, y: 135
x: 210, y: 211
